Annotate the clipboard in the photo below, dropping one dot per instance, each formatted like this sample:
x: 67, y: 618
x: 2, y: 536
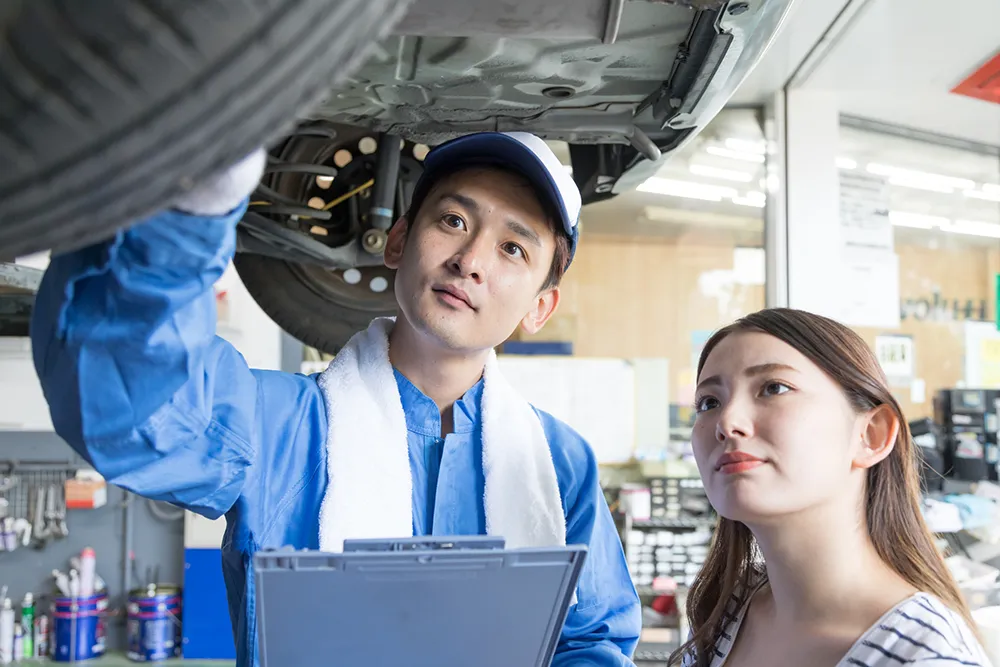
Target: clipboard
x: 419, y: 602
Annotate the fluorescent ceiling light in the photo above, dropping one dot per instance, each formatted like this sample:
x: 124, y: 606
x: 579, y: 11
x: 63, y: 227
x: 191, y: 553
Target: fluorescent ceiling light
x: 719, y: 151
x: 686, y: 189
x: 916, y: 220
x: 723, y: 174
x: 753, y: 198
x: 992, y: 188
x: 920, y: 180
x: 988, y: 195
x: 974, y: 228
x: 746, y: 146
x: 969, y: 227
x: 846, y: 163
x: 917, y: 184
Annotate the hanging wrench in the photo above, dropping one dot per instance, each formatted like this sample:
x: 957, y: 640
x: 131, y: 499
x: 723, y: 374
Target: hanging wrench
x: 23, y: 528
x: 55, y: 518
x: 40, y: 528
x: 61, y: 512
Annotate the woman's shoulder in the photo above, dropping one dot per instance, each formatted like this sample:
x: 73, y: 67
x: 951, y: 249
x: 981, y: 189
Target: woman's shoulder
x: 921, y: 630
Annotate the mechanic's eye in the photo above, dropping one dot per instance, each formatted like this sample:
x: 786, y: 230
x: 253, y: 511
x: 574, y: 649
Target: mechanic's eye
x: 513, y: 249
x: 453, y: 221
x: 706, y: 403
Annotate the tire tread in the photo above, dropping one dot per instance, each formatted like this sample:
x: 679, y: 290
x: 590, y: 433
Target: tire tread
x: 289, y: 54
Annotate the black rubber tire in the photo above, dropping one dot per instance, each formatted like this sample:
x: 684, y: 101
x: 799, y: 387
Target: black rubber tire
x: 302, y: 312
x: 110, y: 109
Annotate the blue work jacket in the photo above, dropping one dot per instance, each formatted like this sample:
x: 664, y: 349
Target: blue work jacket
x: 138, y: 382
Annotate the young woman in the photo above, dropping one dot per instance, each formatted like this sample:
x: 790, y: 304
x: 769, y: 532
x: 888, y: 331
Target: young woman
x: 821, y: 556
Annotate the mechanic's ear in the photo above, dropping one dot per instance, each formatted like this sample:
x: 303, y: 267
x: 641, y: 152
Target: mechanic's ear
x: 543, y: 308
x: 395, y: 243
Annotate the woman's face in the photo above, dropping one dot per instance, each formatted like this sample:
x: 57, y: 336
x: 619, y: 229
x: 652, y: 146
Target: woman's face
x: 774, y: 435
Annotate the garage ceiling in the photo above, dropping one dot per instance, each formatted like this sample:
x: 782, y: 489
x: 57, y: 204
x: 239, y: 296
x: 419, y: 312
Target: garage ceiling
x: 804, y: 26
x: 900, y: 59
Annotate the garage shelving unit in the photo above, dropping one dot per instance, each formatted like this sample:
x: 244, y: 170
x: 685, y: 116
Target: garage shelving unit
x: 18, y: 285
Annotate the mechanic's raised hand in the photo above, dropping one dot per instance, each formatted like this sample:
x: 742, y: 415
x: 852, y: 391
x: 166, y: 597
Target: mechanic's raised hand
x: 226, y: 190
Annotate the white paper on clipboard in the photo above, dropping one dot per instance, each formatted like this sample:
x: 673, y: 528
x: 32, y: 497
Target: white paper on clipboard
x: 594, y: 396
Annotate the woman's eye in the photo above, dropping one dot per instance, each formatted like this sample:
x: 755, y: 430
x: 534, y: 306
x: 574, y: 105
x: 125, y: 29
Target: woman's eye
x: 453, y: 221
x: 513, y: 250
x: 775, y: 388
x: 705, y: 403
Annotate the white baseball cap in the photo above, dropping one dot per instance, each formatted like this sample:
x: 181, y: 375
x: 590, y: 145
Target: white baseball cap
x: 521, y: 152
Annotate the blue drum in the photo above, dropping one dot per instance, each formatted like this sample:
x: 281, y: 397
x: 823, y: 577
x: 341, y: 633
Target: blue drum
x: 154, y: 623
x: 78, y: 628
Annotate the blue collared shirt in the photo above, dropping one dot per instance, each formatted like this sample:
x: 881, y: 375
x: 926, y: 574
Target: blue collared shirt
x: 123, y: 338
x: 448, y: 502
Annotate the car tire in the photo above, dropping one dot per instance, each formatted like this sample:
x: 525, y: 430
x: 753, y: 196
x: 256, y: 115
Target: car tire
x: 109, y: 110
x: 299, y: 299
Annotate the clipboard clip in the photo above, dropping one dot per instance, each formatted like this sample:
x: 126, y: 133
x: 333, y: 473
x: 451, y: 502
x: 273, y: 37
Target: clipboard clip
x: 427, y: 543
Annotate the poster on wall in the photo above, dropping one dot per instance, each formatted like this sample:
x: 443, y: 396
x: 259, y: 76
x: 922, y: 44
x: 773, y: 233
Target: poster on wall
x: 982, y: 355
x: 864, y: 211
x: 869, y: 280
x: 869, y: 288
x: 895, y: 356
x: 989, y: 356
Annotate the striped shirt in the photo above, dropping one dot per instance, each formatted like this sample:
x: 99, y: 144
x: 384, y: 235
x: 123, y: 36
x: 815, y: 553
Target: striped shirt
x: 921, y: 631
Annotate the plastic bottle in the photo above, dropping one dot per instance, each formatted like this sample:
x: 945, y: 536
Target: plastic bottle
x: 62, y: 582
x: 9, y: 536
x: 88, y: 564
x: 99, y: 583
x: 28, y: 624
x: 6, y: 632
x: 42, y: 636
x: 74, y: 584
x: 18, y: 644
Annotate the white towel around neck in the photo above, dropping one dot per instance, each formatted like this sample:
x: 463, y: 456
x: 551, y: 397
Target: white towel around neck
x: 369, y: 487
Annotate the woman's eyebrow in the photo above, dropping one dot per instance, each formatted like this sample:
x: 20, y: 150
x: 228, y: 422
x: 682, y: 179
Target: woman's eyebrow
x: 749, y: 371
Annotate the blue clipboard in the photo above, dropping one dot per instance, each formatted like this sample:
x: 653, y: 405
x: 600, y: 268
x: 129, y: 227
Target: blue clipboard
x: 419, y: 602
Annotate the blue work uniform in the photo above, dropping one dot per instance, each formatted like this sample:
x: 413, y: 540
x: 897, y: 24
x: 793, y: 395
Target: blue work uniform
x: 123, y: 338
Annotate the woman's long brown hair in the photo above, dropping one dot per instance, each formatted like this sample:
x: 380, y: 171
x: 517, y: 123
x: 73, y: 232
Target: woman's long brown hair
x: 892, y: 502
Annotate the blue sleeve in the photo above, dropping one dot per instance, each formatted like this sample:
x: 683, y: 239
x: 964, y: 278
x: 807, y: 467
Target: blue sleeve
x: 603, y: 627
x: 137, y: 382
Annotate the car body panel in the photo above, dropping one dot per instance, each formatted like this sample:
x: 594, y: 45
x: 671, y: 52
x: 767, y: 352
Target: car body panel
x: 649, y: 84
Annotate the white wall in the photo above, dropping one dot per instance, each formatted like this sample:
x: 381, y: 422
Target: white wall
x: 812, y: 136
x: 22, y: 406
x: 250, y: 330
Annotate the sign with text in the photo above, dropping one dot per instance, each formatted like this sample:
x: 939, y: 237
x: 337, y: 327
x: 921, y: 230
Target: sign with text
x: 895, y: 356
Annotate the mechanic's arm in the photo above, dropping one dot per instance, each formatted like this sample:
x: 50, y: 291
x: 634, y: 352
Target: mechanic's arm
x: 123, y: 339
x: 603, y: 627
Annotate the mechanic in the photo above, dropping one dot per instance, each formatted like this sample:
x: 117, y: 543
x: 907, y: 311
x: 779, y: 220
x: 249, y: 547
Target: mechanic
x: 412, y: 430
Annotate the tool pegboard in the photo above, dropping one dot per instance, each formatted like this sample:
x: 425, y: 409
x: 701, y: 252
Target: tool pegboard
x: 143, y: 540
x: 33, y: 502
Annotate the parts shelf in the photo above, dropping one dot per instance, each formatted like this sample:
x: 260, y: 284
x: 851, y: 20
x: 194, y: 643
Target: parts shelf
x: 18, y: 286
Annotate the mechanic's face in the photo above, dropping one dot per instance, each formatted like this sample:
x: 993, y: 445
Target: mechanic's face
x: 759, y: 397
x: 469, y: 269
